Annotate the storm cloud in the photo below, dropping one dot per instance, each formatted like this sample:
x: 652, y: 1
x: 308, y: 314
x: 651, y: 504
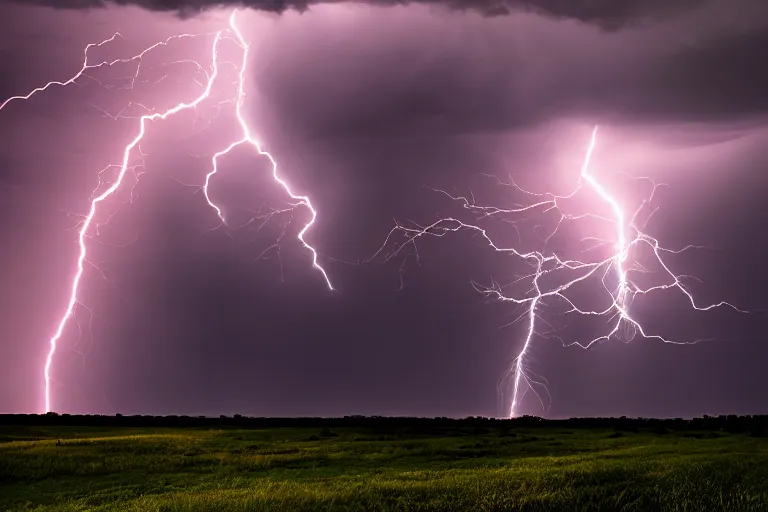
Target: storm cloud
x: 608, y: 14
x: 363, y: 105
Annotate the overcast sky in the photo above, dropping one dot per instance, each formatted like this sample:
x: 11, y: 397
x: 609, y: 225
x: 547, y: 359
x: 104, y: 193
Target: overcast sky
x: 363, y: 104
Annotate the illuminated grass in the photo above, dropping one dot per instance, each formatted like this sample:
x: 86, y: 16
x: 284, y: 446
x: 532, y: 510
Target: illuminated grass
x: 297, y: 470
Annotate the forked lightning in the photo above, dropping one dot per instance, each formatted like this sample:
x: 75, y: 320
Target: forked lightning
x: 628, y: 236
x: 232, y: 32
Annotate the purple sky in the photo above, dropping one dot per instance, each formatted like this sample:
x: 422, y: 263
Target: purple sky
x: 362, y: 105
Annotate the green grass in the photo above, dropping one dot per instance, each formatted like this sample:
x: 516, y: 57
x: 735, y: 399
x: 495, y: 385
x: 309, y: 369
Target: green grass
x: 131, y: 469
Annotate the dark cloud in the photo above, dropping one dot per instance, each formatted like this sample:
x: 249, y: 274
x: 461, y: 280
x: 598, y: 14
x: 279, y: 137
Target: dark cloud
x: 515, y: 82
x: 606, y: 13
x: 725, y: 77
x: 720, y: 79
x: 362, y: 109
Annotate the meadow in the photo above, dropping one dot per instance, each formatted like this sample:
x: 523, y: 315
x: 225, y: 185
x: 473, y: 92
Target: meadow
x: 451, y: 467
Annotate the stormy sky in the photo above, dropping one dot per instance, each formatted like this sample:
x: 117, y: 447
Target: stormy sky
x: 365, y: 105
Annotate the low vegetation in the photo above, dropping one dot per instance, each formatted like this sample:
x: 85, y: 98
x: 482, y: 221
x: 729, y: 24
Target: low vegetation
x: 385, y: 466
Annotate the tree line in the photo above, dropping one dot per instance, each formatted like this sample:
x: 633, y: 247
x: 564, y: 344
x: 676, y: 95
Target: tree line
x: 756, y: 424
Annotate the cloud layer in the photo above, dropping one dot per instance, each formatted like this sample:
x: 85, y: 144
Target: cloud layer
x: 605, y: 13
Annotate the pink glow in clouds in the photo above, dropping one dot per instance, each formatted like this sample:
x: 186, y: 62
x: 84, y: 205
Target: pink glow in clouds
x: 362, y: 106
x: 247, y: 138
x: 547, y: 263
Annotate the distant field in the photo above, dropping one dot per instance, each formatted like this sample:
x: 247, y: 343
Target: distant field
x: 378, y: 469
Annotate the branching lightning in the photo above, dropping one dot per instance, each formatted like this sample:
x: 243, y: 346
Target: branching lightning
x: 614, y: 273
x: 232, y: 32
x: 629, y: 235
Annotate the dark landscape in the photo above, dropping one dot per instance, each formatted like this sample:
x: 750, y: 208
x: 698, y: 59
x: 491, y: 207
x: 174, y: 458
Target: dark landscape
x: 149, y: 463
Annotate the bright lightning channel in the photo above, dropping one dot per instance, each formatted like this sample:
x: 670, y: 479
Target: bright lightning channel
x: 246, y: 138
x: 628, y: 236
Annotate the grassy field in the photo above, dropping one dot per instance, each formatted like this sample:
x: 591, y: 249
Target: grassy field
x: 154, y: 469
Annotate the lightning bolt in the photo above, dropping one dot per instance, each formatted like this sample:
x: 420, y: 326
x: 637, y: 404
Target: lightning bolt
x: 629, y: 235
x: 234, y: 33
